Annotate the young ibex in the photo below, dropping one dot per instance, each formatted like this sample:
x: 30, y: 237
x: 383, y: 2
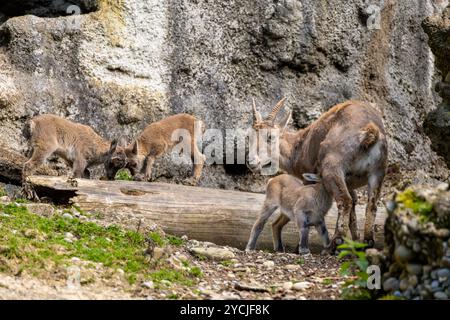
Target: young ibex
x: 307, y: 205
x: 79, y: 145
x: 346, y: 146
x: 153, y: 142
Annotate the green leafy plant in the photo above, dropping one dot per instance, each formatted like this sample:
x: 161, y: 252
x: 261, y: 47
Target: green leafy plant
x: 123, y: 175
x: 355, y: 267
x: 300, y: 261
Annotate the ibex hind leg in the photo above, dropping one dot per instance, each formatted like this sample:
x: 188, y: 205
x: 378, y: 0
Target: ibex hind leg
x: 373, y: 191
x: 198, y: 161
x: 353, y: 219
x: 37, y: 159
x: 335, y: 183
x: 277, y: 228
x: 258, y: 227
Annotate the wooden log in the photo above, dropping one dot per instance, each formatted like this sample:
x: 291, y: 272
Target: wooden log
x: 11, y: 164
x: 223, y: 217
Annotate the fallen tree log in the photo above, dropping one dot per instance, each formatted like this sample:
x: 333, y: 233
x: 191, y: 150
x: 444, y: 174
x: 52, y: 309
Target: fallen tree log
x: 11, y: 164
x: 220, y: 216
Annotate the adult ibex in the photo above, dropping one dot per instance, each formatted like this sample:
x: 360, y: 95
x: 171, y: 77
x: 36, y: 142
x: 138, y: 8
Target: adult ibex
x: 79, y: 145
x: 153, y: 142
x: 346, y: 146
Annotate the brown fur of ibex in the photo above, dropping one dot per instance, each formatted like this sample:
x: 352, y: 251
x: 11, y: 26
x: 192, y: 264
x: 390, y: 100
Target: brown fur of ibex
x: 154, y: 141
x: 346, y: 146
x: 79, y: 145
x: 306, y: 205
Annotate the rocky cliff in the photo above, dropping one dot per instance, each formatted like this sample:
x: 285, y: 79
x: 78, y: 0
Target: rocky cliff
x: 120, y: 64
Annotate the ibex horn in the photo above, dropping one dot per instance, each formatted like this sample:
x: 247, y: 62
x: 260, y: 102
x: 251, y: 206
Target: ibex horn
x: 256, y: 115
x: 275, y: 110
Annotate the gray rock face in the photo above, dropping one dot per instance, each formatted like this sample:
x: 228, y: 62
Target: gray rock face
x: 118, y: 67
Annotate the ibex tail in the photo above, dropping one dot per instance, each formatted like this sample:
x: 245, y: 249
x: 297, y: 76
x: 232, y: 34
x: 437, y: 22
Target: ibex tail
x: 369, y: 135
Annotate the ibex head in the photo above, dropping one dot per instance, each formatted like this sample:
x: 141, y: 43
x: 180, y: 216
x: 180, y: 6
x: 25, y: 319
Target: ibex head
x: 116, y: 158
x: 266, y: 130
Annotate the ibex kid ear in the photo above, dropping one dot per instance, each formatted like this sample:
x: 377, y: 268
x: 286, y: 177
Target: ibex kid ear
x: 134, y: 149
x: 311, y: 177
x: 113, y: 146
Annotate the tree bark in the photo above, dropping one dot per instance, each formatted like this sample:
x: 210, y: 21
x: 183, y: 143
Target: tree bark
x: 220, y: 216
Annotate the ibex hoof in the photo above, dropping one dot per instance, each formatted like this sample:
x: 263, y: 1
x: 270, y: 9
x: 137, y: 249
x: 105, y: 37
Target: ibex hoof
x: 28, y: 192
x: 303, y: 251
x: 73, y: 182
x: 190, y: 182
x: 139, y: 177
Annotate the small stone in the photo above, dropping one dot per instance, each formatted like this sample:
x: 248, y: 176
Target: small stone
x: 404, y: 284
x: 440, y: 295
x: 69, y: 235
x: 300, y: 286
x: 269, y: 264
x: 120, y: 272
x: 413, y: 280
x: 158, y: 253
x: 148, y: 285
x: 416, y: 247
x: 443, y: 186
x: 213, y: 253
x: 443, y: 273
x: 67, y: 216
x: 414, y: 269
x: 184, y: 237
x: 69, y: 240
x: 75, y: 259
x: 391, y: 284
x: 287, y: 286
x: 292, y: 267
x: 398, y: 294
x: 403, y: 255
x: 435, y: 286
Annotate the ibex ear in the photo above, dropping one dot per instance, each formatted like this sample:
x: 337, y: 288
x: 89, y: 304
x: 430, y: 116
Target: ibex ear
x: 134, y: 148
x: 285, y: 121
x: 311, y: 177
x: 113, y: 146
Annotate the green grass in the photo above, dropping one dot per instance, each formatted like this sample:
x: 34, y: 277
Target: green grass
x: 34, y: 243
x: 170, y: 275
x: 162, y: 241
x: 124, y: 175
x: 2, y: 192
x: 226, y: 263
x: 300, y: 261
